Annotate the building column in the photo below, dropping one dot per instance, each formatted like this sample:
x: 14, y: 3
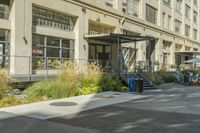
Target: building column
x: 21, y: 37
x: 81, y: 45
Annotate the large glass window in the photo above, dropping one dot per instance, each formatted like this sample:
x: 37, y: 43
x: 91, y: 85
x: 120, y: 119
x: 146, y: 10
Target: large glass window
x: 4, y: 8
x: 195, y: 34
x: 195, y: 2
x: 164, y: 20
x: 177, y: 25
x: 151, y: 14
x: 52, y: 19
x: 195, y: 14
x: 49, y: 51
x: 187, y: 30
x: 178, y: 5
x: 4, y: 48
x: 133, y: 7
x: 187, y: 11
x: 169, y: 22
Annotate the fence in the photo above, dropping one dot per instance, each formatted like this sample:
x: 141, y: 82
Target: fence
x: 25, y: 67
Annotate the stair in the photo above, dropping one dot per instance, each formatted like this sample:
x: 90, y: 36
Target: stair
x: 147, y: 85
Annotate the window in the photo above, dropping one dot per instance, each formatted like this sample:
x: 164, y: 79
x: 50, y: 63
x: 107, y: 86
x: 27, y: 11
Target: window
x: 100, y: 28
x: 151, y: 14
x: 4, y: 9
x: 195, y: 34
x: 187, y: 11
x: 164, y: 20
x: 178, y: 5
x: 177, y: 25
x: 187, y: 30
x: 133, y: 7
x: 4, y: 48
x: 49, y: 51
x: 169, y: 22
x: 195, y: 14
x: 167, y: 2
x: 195, y: 2
x: 51, y: 19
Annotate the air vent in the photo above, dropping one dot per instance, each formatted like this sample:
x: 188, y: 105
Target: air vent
x: 124, y: 10
x: 109, y: 4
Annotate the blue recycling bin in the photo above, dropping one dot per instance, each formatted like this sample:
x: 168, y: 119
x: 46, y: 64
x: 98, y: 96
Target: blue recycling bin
x: 131, y: 84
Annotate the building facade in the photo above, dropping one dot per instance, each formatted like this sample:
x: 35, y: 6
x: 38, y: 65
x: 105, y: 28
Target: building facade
x: 36, y: 35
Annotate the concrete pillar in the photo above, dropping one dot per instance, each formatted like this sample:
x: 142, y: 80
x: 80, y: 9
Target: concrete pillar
x: 21, y: 37
x: 81, y: 44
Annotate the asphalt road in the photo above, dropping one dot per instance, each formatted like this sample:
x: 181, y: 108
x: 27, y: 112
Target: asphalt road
x: 176, y: 109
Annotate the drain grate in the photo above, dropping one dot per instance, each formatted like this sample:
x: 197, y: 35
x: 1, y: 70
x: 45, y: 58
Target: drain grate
x: 62, y: 104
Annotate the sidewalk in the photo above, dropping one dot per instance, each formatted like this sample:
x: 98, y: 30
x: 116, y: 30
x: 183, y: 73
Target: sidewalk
x: 74, y: 105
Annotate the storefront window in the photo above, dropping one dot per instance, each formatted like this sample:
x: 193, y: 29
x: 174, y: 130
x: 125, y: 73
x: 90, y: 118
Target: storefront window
x: 4, y: 48
x: 50, y: 51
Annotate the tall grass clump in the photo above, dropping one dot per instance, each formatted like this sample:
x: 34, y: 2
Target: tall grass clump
x: 4, y: 84
x: 72, y: 82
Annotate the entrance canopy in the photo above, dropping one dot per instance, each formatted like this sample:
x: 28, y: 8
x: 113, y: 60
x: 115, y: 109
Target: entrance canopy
x: 195, y: 60
x: 118, y: 38
x: 187, y: 53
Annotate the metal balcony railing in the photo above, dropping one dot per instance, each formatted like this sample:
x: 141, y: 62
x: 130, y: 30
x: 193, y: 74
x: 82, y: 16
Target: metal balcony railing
x: 55, y: 25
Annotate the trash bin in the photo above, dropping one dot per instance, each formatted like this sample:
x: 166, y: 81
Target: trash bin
x: 131, y: 84
x: 139, y: 85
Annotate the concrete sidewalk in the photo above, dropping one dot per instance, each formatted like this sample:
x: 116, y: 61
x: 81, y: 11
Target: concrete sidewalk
x: 55, y: 108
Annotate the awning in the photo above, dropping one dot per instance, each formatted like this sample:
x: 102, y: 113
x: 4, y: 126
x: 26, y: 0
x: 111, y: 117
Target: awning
x: 121, y: 38
x: 195, y: 60
x: 187, y: 52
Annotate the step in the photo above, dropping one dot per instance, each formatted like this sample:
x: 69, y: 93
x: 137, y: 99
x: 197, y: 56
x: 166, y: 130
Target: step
x: 149, y: 88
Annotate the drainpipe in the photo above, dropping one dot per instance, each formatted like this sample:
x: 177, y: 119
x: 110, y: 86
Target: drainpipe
x: 122, y: 23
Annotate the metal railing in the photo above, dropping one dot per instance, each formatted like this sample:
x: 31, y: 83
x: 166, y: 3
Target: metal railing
x: 55, y: 25
x: 30, y: 65
x: 4, y: 14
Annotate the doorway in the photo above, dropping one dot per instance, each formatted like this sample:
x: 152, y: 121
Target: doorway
x: 102, y: 54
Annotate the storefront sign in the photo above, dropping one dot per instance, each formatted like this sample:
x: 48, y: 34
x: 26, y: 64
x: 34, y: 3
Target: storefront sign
x: 37, y: 51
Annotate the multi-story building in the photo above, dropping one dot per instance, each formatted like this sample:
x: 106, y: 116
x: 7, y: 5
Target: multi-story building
x: 35, y: 35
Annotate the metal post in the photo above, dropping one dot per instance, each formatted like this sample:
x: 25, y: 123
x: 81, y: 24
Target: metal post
x: 149, y: 57
x: 135, y: 56
x: 118, y: 57
x: 29, y: 73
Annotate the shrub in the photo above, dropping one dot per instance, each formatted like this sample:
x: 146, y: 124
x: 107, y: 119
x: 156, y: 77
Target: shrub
x: 72, y: 82
x: 89, y: 90
x: 52, y: 89
x: 4, y: 84
x: 91, y: 77
x: 109, y: 83
x: 162, y: 77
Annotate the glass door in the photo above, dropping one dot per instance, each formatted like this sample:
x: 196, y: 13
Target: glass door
x: 102, y: 54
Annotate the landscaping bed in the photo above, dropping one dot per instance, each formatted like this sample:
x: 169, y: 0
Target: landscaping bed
x: 69, y: 82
